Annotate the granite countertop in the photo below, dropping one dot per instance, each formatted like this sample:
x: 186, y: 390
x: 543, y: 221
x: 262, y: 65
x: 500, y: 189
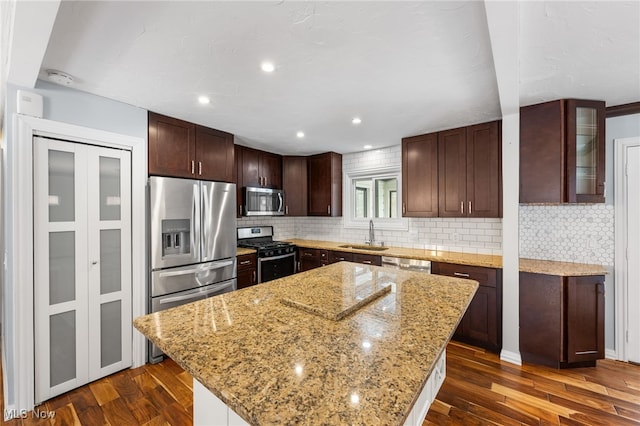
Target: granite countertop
x: 243, y: 250
x: 549, y: 267
x: 563, y: 269
x: 473, y: 259
x: 275, y: 363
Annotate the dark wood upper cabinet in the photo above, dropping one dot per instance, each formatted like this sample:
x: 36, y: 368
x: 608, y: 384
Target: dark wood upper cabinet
x: 562, y: 152
x: 258, y: 168
x: 294, y: 183
x: 171, y: 146
x: 470, y: 171
x: 452, y: 173
x: 324, y: 177
x: 561, y: 320
x: 214, y: 155
x: 484, y: 170
x: 181, y: 149
x: 420, y: 176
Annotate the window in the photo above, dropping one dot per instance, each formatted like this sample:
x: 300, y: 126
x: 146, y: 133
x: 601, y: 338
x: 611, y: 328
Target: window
x: 373, y: 194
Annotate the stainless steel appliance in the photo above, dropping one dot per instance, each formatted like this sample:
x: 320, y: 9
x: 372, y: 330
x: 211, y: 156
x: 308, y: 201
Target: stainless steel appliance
x: 192, y: 242
x: 263, y: 201
x: 413, y: 265
x: 276, y: 259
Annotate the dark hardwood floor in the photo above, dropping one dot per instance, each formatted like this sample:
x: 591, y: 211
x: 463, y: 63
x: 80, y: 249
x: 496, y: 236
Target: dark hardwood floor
x: 479, y: 390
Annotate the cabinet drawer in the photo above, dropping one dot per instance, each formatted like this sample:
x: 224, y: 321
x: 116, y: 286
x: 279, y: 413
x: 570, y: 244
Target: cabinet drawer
x: 367, y: 259
x: 247, y: 261
x: 340, y: 256
x: 485, y: 276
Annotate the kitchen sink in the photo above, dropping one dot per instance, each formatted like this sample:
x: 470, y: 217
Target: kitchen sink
x: 363, y: 247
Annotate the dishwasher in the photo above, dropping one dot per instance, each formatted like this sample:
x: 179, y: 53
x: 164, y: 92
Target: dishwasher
x: 413, y: 265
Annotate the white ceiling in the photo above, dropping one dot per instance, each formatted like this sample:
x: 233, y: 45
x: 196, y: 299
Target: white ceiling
x: 405, y: 68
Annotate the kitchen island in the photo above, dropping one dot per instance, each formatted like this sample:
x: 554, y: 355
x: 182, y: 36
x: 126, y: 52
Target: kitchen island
x: 343, y: 344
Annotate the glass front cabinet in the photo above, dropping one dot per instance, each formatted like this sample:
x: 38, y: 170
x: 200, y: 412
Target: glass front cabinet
x: 562, y: 152
x: 585, y: 151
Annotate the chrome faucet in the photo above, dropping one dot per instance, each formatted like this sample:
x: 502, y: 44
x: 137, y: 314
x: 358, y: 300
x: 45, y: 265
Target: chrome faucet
x: 372, y: 233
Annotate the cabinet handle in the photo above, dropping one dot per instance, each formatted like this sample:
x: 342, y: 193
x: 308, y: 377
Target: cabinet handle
x: 286, y: 210
x: 404, y: 208
x: 245, y: 262
x: 200, y: 167
x: 368, y: 262
x: 460, y: 274
x: 254, y: 280
x: 240, y: 210
x: 469, y: 207
x: 307, y: 254
x: 462, y: 207
x: 329, y: 210
x: 193, y: 167
x: 265, y: 181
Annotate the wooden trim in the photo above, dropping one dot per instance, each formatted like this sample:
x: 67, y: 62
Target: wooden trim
x: 625, y: 109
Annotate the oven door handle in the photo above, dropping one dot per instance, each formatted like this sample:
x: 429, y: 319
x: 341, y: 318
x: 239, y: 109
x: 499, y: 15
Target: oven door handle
x: 217, y: 265
x: 262, y: 259
x: 195, y: 295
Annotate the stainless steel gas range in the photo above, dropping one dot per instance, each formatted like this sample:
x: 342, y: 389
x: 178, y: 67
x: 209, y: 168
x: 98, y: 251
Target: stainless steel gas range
x: 276, y: 259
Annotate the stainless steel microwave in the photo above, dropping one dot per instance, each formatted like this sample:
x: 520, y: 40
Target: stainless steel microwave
x: 263, y: 201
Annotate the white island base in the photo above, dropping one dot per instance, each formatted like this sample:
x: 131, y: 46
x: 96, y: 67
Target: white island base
x: 209, y: 410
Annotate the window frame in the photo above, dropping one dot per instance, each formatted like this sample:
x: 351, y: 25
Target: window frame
x: 399, y: 223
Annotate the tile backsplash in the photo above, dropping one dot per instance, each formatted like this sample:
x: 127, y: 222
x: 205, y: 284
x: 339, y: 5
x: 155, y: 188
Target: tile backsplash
x: 581, y: 233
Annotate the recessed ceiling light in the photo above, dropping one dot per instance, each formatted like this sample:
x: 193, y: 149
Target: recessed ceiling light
x: 356, y: 120
x: 367, y: 147
x: 300, y: 134
x: 267, y: 66
x: 204, y: 100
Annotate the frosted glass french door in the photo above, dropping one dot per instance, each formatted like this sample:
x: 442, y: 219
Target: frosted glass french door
x: 82, y: 270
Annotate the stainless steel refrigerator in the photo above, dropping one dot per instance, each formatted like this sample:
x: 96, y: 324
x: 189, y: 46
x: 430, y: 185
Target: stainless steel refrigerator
x: 192, y: 242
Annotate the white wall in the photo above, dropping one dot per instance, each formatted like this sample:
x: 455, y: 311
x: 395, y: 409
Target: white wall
x: 69, y: 106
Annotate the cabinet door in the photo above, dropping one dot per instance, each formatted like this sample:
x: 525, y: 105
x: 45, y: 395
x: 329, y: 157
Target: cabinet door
x: 585, y: 151
x: 484, y: 194
x: 250, y: 167
x: 171, y: 146
x: 309, y: 259
x: 585, y: 318
x: 452, y: 173
x: 480, y: 318
x: 325, y: 184
x: 294, y: 183
x: 237, y: 167
x: 420, y: 176
x: 541, y: 323
x: 542, y: 153
x: 271, y: 170
x: 214, y: 155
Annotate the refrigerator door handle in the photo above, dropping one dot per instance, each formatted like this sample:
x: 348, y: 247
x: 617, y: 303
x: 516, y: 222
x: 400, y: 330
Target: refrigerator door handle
x: 197, y: 295
x: 213, y: 266
x: 205, y: 221
x: 195, y: 220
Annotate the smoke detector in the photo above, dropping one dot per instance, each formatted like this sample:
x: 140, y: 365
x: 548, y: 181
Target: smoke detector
x: 59, y: 77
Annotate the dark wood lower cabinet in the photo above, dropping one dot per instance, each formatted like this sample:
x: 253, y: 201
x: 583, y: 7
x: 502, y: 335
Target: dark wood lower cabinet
x: 561, y: 320
x: 311, y: 258
x: 482, y: 323
x: 247, y: 270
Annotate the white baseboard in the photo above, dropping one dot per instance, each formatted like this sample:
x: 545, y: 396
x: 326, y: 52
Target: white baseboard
x: 512, y: 357
x: 611, y: 354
